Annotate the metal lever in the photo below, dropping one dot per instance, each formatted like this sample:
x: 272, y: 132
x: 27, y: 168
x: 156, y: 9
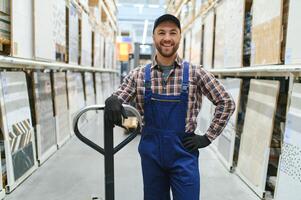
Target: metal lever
x: 108, y: 151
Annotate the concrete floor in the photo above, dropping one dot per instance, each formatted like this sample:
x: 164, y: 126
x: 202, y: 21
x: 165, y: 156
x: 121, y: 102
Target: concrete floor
x: 76, y: 172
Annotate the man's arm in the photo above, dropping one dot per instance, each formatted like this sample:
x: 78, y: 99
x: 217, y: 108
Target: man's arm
x: 113, y: 104
x: 209, y: 86
x: 216, y: 93
x: 127, y: 90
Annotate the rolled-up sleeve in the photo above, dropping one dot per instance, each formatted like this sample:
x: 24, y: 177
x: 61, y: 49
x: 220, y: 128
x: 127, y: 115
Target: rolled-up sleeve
x: 216, y: 93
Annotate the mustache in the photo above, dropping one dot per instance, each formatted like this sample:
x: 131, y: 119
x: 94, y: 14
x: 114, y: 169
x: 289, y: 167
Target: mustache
x: 169, y: 43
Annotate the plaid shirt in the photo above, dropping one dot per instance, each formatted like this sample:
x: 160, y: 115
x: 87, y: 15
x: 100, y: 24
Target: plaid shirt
x: 201, y: 82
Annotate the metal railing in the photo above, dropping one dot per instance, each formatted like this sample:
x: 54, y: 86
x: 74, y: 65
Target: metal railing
x: 20, y: 63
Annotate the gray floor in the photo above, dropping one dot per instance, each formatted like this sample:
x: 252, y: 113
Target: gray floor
x: 75, y: 172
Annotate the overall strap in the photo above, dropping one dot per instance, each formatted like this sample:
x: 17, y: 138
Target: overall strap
x: 185, y: 81
x: 147, y: 78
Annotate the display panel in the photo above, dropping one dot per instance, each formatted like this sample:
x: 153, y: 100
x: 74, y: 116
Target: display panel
x: 226, y: 140
x: 61, y: 107
x: 19, y: 138
x: 289, y: 175
x: 44, y: 115
x: 266, y: 32
x: 257, y: 133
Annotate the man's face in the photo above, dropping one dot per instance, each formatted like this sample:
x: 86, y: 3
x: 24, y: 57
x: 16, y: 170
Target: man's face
x: 167, y: 38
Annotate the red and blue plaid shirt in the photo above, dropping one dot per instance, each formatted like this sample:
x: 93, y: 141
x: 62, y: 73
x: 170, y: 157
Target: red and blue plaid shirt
x: 201, y: 82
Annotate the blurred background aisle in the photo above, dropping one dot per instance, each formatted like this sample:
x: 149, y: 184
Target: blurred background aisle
x: 58, y: 56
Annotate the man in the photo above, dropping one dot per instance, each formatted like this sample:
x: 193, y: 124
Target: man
x: 168, y: 95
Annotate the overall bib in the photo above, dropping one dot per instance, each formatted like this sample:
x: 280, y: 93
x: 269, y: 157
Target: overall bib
x: 165, y: 162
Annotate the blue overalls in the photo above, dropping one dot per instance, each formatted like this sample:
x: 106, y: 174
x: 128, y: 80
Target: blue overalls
x: 165, y: 162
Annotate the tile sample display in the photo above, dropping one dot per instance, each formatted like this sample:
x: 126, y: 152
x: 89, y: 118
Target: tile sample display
x: 50, y: 42
x: 72, y: 93
x: 257, y: 133
x: 266, y: 32
x: 188, y: 46
x: 89, y: 93
x: 289, y: 174
x: 73, y: 34
x: 293, y: 46
x: 208, y: 40
x: 196, y: 40
x: 43, y: 37
x: 80, y: 96
x: 89, y: 88
x: 44, y: 116
x: 73, y: 103
x: 61, y: 107
x: 102, y: 51
x: 59, y: 29
x: 107, y: 84
x: 86, y: 41
x: 226, y: 140
x: 229, y: 33
x: 19, y: 138
x: 80, y: 90
x: 99, y: 89
x: 220, y: 34
x: 22, y: 28
x: 97, y: 53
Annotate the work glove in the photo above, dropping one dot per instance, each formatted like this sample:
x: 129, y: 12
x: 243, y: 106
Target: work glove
x: 194, y: 142
x: 114, y: 110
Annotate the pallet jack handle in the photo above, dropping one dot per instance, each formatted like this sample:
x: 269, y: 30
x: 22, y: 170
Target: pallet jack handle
x: 109, y: 150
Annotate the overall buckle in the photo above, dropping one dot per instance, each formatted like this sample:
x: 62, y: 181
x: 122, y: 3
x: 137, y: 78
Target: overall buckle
x: 184, y: 87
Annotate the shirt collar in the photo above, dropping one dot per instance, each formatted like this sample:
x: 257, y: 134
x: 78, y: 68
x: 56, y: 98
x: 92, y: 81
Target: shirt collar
x: 178, y: 62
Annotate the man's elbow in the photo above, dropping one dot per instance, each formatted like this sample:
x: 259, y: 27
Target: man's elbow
x: 232, y: 105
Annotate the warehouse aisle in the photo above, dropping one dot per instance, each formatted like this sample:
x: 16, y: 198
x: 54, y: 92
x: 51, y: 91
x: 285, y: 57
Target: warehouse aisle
x: 75, y: 172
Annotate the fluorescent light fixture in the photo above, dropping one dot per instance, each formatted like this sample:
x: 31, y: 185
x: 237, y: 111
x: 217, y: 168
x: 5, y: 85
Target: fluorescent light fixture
x: 144, y: 31
x: 153, y: 5
x: 138, y: 5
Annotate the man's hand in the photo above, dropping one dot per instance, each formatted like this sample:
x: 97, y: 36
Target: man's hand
x: 114, y: 110
x: 194, y: 142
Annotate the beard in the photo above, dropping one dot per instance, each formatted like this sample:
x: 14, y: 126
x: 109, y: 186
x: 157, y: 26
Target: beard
x: 165, y: 53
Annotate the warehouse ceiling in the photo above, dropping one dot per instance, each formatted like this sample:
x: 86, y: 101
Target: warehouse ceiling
x: 136, y: 17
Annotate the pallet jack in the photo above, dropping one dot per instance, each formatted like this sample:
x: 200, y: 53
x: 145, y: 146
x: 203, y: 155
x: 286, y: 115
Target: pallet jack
x: 109, y: 150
